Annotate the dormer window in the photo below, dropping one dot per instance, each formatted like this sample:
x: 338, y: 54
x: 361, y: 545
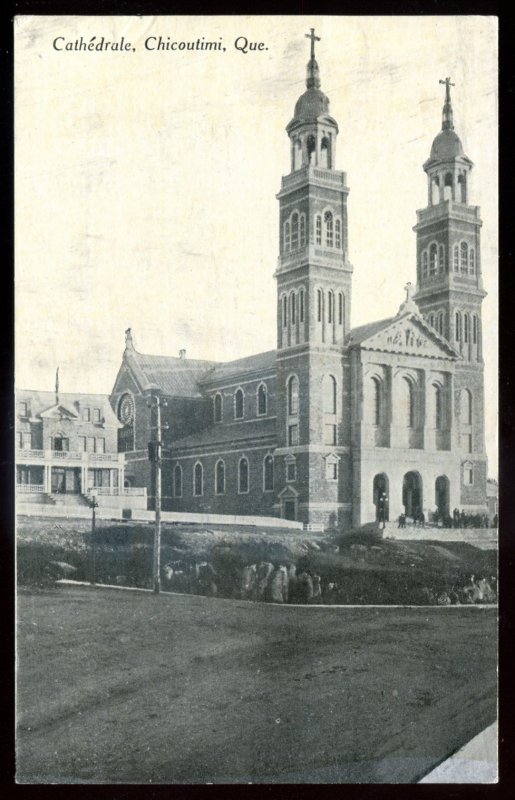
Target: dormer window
x: 96, y: 415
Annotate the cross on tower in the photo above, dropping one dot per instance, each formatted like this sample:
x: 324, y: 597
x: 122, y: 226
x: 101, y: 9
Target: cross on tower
x: 448, y: 84
x: 313, y: 40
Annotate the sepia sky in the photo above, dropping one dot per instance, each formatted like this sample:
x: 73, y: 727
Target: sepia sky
x: 146, y: 180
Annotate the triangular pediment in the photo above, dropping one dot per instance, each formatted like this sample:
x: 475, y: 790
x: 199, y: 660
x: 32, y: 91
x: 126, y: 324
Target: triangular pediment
x: 58, y: 412
x: 410, y: 334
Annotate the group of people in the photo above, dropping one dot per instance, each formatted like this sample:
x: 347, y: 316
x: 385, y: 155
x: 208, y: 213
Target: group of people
x: 459, y: 519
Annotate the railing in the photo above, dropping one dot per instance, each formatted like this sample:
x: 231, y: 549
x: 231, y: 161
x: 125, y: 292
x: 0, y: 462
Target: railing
x: 333, y: 177
x: 69, y: 455
x: 113, y: 491
x: 39, y: 455
x: 113, y: 457
x: 24, y: 456
x: 30, y: 488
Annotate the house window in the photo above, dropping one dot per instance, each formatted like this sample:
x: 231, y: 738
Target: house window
x: 295, y: 231
x: 96, y: 415
x: 218, y: 407
x: 291, y: 470
x: 293, y: 435
x: 86, y: 415
x: 61, y: 444
x: 238, y: 404
x: 198, y: 479
x: 243, y: 476
x: 318, y: 229
x: 23, y: 409
x: 91, y: 444
x: 82, y: 443
x: 468, y: 474
x: 220, y: 477
x: 293, y: 396
x: 268, y: 474
x: 301, y: 305
x: 328, y: 221
x: 177, y: 481
x: 329, y: 434
x: 262, y: 398
x: 331, y: 470
x: 101, y: 445
x: 338, y: 234
x: 19, y: 441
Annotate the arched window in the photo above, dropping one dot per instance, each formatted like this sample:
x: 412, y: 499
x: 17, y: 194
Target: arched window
x: 456, y: 260
x: 376, y: 399
x: 441, y: 258
x: 198, y: 479
x: 243, y: 476
x: 287, y: 239
x: 337, y: 234
x: 330, y: 306
x: 472, y: 261
x: 447, y: 187
x: 409, y: 403
x: 261, y: 399
x: 462, y: 183
x: 475, y: 329
x: 320, y: 305
x: 268, y: 473
x: 440, y: 324
x: 302, y: 230
x: 431, y: 320
x: 433, y: 259
x: 297, y: 154
x: 293, y: 308
x: 220, y: 477
x: 458, y: 326
x: 437, y: 396
x: 341, y: 308
x: 325, y: 153
x: 311, y: 148
x: 238, y: 404
x: 301, y: 305
x: 464, y: 253
x: 329, y: 394
x: 466, y: 328
x: 218, y: 407
x: 318, y: 229
x: 328, y: 222
x: 285, y: 311
x: 177, y: 481
x: 425, y: 264
x: 435, y: 191
x: 293, y: 396
x: 294, y: 231
x: 466, y: 407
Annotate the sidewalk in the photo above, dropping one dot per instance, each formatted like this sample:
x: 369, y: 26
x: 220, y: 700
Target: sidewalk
x: 475, y: 762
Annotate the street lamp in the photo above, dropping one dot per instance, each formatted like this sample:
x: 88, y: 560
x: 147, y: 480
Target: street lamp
x: 382, y: 509
x: 93, y: 505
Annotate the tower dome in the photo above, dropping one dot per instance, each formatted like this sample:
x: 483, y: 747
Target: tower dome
x: 446, y: 145
x: 311, y: 105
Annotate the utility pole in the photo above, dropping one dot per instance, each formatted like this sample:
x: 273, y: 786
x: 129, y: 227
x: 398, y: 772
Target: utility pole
x: 155, y: 454
x: 93, y: 503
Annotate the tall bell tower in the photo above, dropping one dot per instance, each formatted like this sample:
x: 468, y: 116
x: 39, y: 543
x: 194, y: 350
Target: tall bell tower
x: 313, y: 307
x: 450, y: 290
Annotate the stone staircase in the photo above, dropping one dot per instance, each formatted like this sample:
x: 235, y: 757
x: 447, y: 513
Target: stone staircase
x: 69, y: 500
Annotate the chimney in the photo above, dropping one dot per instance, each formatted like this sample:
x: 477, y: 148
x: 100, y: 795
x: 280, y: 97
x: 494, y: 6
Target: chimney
x: 182, y: 354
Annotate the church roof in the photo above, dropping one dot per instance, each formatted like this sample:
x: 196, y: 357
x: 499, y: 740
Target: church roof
x: 362, y: 332
x: 174, y: 376
x: 234, y: 369
x: 237, y: 433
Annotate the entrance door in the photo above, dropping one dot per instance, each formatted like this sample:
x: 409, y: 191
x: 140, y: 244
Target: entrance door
x: 289, y: 509
x: 58, y: 480
x: 442, y: 495
x: 412, y: 494
x: 380, y: 496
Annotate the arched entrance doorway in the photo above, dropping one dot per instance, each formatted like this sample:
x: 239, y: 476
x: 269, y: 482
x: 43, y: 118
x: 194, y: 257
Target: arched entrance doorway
x: 442, y: 495
x: 412, y: 498
x: 380, y: 489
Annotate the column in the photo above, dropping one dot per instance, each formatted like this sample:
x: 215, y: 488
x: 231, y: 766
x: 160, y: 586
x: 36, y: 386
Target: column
x: 47, y: 483
x: 429, y: 439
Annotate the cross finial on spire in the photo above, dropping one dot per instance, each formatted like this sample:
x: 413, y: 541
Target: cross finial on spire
x: 447, y: 121
x: 313, y: 40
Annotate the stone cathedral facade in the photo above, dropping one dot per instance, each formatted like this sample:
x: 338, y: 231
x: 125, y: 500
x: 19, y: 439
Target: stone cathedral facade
x: 337, y: 422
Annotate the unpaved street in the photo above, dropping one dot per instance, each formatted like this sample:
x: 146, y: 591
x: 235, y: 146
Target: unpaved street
x: 126, y: 687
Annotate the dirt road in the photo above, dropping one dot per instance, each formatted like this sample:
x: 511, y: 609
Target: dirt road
x: 127, y: 687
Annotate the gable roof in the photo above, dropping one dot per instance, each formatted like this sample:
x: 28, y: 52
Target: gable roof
x: 367, y: 332
x: 42, y: 404
x: 362, y: 332
x: 176, y: 377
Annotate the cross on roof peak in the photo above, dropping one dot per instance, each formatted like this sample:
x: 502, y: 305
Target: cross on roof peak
x: 313, y: 40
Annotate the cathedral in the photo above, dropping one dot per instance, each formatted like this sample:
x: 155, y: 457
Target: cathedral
x: 338, y: 426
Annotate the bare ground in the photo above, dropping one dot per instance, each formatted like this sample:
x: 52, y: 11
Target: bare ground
x: 127, y: 687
